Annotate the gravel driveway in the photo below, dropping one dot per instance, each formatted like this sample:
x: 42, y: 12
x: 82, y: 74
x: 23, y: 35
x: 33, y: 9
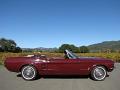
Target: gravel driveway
x: 12, y: 81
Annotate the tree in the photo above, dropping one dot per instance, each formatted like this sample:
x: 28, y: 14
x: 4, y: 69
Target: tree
x: 73, y: 48
x: 17, y: 50
x: 84, y: 49
x: 7, y: 45
x: 1, y: 50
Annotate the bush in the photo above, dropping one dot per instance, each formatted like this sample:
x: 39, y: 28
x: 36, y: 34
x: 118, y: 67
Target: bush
x: 84, y: 49
x: 73, y: 48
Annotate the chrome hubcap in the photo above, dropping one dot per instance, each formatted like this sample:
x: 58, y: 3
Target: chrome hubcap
x: 28, y: 72
x: 99, y: 73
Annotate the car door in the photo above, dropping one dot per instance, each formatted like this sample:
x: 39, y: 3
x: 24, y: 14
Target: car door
x: 64, y: 67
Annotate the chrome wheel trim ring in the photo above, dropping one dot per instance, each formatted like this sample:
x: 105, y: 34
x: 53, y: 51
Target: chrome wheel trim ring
x: 28, y: 72
x: 99, y: 73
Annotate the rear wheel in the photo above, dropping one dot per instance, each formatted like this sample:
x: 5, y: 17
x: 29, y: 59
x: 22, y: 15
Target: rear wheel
x: 28, y: 72
x: 98, y: 73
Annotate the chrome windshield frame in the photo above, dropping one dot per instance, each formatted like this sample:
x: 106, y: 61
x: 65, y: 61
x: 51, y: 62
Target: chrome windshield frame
x: 71, y: 55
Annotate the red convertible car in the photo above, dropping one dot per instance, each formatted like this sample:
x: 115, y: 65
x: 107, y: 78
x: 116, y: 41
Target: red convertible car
x: 71, y: 64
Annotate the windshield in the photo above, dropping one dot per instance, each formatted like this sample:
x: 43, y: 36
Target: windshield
x: 71, y: 55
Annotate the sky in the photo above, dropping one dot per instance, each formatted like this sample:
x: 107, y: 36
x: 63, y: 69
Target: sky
x: 51, y: 23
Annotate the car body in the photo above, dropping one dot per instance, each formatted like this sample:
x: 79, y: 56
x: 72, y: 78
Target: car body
x: 70, y: 65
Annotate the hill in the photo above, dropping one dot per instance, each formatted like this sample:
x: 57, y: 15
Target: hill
x: 105, y: 46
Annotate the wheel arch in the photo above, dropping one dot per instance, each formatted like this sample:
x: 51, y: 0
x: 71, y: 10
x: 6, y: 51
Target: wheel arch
x: 26, y: 65
x: 106, y: 68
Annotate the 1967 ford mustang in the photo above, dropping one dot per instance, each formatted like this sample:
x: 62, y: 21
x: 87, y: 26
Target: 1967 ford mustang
x: 71, y: 64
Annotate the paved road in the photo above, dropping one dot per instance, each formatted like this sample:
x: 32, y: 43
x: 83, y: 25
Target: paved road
x: 10, y: 81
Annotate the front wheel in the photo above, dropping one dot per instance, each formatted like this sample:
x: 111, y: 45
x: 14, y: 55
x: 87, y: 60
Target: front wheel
x: 98, y: 73
x: 28, y: 72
